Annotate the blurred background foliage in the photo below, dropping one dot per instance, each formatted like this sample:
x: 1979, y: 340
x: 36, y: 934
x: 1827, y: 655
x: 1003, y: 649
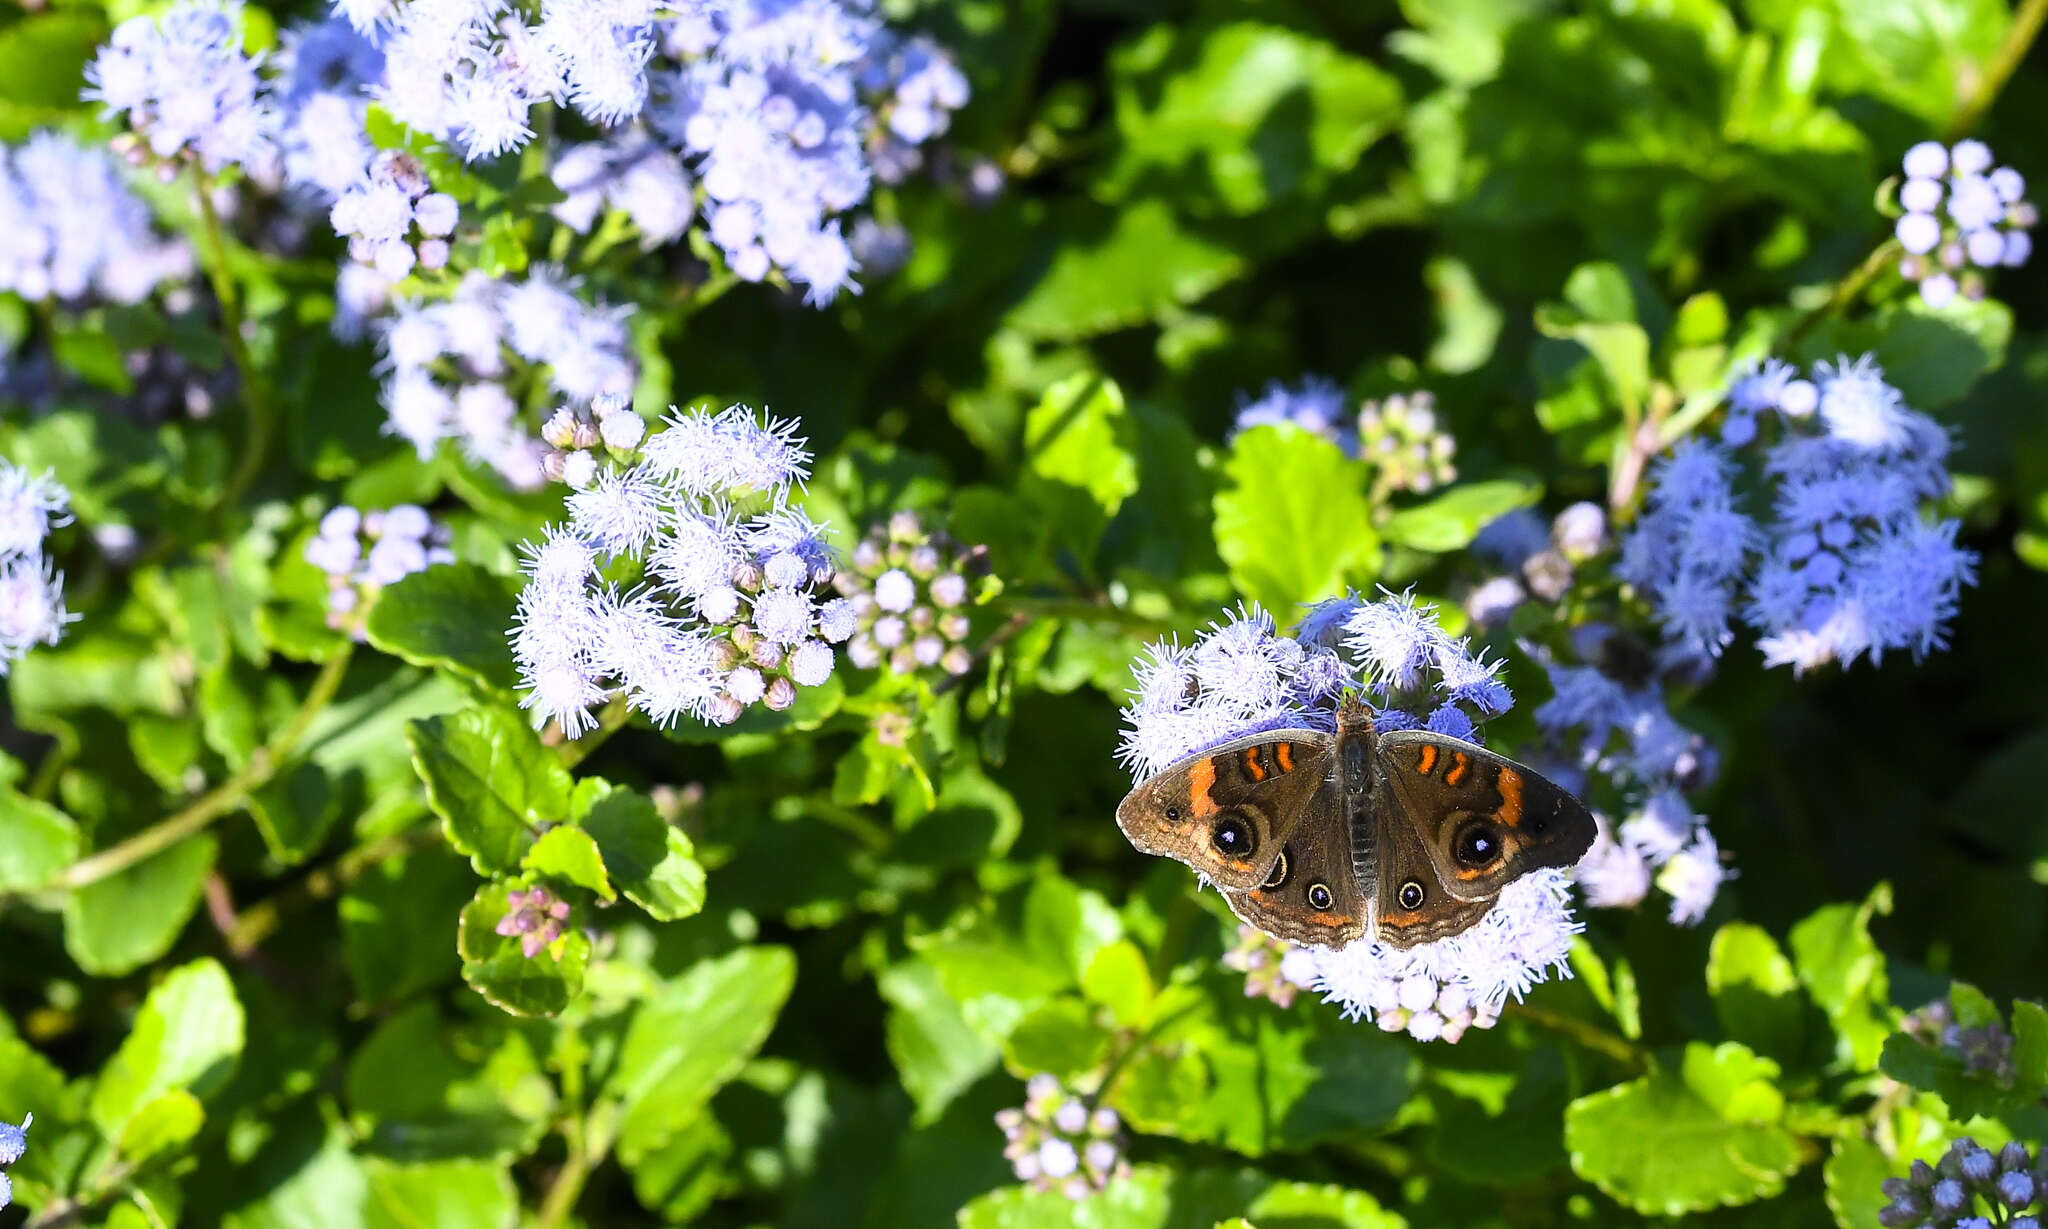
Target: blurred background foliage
x: 1535, y: 210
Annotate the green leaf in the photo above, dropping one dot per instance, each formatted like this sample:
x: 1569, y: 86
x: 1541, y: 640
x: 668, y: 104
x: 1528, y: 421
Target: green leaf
x: 498, y: 968
x: 1854, y: 1178
x: 1739, y: 1083
x: 1065, y: 924
x: 42, y: 59
x: 1326, y: 1207
x: 453, y: 617
x: 1657, y: 1146
x: 1451, y: 520
x: 1294, y: 524
x: 1118, y: 978
x: 419, y: 1089
x: 186, y: 1037
x: 1920, y: 55
x: 490, y: 780
x: 128, y: 919
x: 1243, y: 114
x: 937, y: 1053
x: 1109, y: 269
x: 41, y: 841
x: 2030, y: 1048
x: 653, y: 863
x: 690, y: 1037
x: 1756, y: 993
x: 162, y: 1124
x: 1844, y: 972
x: 294, y: 812
x: 454, y: 1194
x: 570, y: 854
x: 307, y: 1177
x: 385, y: 913
x: 1061, y: 1036
x: 1080, y: 436
x: 680, y: 1178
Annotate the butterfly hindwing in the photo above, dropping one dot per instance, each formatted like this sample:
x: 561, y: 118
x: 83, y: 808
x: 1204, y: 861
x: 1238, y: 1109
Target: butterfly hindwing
x: 1311, y: 894
x: 1479, y: 820
x: 1227, y: 811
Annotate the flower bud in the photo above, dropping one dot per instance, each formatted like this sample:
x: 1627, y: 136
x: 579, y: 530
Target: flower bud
x: 781, y: 694
x: 956, y: 660
x: 560, y: 429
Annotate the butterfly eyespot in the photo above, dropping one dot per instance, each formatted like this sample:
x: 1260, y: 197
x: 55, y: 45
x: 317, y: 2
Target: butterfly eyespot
x: 1476, y: 845
x: 1233, y: 837
x: 1280, y: 871
x: 1411, y: 895
x: 1319, y: 896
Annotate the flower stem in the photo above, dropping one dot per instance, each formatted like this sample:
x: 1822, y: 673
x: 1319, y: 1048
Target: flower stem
x: 1882, y: 257
x: 255, y: 389
x: 2019, y: 39
x: 1592, y: 1036
x: 222, y: 799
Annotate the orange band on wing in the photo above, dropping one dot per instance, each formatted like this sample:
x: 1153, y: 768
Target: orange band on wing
x: 1284, y: 752
x: 1255, y: 770
x: 1510, y: 786
x: 1460, y: 763
x: 1201, y: 779
x: 1427, y: 764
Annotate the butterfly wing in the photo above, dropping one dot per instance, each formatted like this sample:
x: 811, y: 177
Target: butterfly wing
x: 1227, y: 811
x: 1311, y: 894
x: 1480, y: 820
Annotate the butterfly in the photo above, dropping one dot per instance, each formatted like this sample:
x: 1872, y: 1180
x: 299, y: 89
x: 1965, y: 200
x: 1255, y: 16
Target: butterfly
x: 1322, y: 839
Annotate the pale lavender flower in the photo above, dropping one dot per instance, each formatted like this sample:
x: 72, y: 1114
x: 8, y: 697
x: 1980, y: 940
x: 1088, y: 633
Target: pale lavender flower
x: 183, y: 84
x: 1316, y: 404
x: 361, y: 553
x: 729, y: 617
x: 30, y: 506
x: 71, y: 228
x: 535, y: 917
x: 1056, y: 1142
x: 1436, y: 991
x: 31, y: 606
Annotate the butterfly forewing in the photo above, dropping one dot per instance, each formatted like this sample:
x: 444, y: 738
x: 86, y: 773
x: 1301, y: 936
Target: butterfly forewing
x: 1479, y: 820
x: 1228, y: 811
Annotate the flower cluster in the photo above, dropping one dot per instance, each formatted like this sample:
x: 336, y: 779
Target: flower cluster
x: 393, y: 219
x: 715, y: 608
x: 453, y: 366
x: 1241, y: 677
x: 629, y: 172
x: 1851, y: 564
x: 71, y: 227
x: 1539, y: 561
x: 535, y: 916
x: 1984, y: 1050
x: 1961, y: 216
x: 1437, y: 991
x: 1971, y: 1188
x: 909, y: 588
x: 1398, y: 435
x: 1314, y: 403
x: 363, y: 552
x: 1690, y: 549
x: 1056, y: 1143
x: 785, y: 113
x: 31, y: 591
x: 324, y: 69
x: 578, y: 442
x: 1595, y: 724
x: 186, y: 89
x: 13, y: 1144
x: 1273, y: 969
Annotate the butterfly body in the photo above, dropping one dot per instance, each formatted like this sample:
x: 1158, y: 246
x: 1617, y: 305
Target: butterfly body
x: 1322, y: 839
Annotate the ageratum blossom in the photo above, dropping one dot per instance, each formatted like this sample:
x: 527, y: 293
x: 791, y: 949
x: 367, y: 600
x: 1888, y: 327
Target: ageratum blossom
x: 1241, y: 677
x: 685, y: 580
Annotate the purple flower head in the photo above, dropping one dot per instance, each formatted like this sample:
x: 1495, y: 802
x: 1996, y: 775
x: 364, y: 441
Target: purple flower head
x: 535, y: 917
x: 182, y: 83
x: 1316, y: 404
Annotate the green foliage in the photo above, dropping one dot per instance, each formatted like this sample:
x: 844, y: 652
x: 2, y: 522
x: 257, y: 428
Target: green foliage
x: 271, y: 864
